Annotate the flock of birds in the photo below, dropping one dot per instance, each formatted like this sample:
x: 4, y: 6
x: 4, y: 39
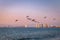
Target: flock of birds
x: 33, y: 20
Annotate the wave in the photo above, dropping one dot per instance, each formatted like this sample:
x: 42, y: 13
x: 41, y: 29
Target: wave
x: 30, y: 34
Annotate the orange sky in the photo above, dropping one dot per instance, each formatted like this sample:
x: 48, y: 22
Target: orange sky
x: 12, y: 10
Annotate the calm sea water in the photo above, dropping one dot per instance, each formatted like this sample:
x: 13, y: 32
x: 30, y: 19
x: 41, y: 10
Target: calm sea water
x: 29, y: 33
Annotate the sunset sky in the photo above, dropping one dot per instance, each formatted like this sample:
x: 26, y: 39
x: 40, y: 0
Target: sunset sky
x: 10, y: 10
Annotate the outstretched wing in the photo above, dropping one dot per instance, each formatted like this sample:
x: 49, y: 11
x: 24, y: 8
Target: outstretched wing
x: 31, y: 19
x: 16, y: 20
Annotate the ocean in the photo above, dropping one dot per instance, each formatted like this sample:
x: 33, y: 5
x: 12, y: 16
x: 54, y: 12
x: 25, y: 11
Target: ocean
x: 29, y: 33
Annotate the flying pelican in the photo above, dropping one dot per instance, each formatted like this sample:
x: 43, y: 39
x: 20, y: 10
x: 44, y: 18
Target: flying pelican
x: 54, y: 18
x: 16, y: 20
x: 31, y: 19
x: 45, y: 17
